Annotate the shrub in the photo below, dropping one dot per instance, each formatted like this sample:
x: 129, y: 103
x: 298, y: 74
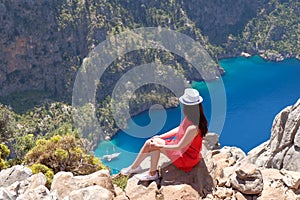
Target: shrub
x: 63, y: 153
x: 4, y: 153
x: 37, y: 168
x: 120, y: 181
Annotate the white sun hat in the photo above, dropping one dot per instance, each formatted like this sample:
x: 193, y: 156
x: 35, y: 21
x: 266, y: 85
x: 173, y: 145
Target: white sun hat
x: 190, y: 97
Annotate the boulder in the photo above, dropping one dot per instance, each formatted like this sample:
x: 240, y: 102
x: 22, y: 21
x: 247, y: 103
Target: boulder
x: 92, y: 192
x: 136, y: 190
x: 120, y: 194
x: 247, y: 179
x: 14, y: 174
x: 64, y: 182
x: 282, y: 151
x: 291, y: 179
x: 39, y: 193
x: 7, y: 195
x: 224, y: 161
x: 210, y: 142
x: 274, y: 187
x: 182, y: 191
x: 198, y: 178
x: 30, y: 183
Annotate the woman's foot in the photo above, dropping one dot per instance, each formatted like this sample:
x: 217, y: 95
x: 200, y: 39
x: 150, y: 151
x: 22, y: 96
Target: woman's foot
x: 146, y: 176
x: 128, y: 171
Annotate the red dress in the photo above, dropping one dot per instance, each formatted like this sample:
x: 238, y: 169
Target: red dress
x: 186, y: 158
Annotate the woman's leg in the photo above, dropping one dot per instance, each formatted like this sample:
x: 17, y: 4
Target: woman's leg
x: 155, y: 154
x: 154, y: 161
x: 144, y: 153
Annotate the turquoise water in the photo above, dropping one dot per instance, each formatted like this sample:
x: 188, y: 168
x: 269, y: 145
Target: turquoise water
x: 256, y: 91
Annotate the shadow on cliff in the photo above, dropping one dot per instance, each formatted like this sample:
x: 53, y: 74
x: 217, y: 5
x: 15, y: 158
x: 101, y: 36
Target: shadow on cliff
x: 198, y: 178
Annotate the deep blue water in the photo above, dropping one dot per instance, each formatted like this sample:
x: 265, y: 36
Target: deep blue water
x: 256, y: 91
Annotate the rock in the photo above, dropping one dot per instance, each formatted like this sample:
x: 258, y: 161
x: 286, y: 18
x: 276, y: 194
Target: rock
x: 32, y: 182
x: 120, y: 194
x: 135, y: 190
x: 282, y: 151
x: 247, y: 179
x: 273, y: 186
x: 223, y: 193
x: 39, y: 193
x: 240, y: 196
x: 198, y: 178
x: 21, y: 187
x: 183, y: 191
x: 92, y: 192
x: 64, y: 182
x: 291, y: 179
x: 223, y: 161
x: 210, y: 142
x: 245, y: 54
x: 13, y: 174
x: 7, y: 195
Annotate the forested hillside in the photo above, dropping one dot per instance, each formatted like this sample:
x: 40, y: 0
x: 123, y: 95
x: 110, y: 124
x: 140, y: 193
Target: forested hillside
x: 43, y: 43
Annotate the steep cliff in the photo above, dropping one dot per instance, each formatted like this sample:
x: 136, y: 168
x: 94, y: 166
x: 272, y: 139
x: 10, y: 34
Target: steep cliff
x: 43, y: 43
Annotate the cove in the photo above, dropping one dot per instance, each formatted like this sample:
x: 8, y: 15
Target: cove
x: 256, y: 90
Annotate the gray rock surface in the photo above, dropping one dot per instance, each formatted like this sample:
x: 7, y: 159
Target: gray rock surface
x: 65, y: 182
x: 13, y: 174
x: 282, y: 151
x: 92, y: 192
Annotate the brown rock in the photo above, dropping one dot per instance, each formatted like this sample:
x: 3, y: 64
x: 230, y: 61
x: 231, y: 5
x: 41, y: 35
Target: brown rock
x: 223, y: 193
x: 120, y: 194
x: 223, y: 161
x: 291, y: 179
x: 183, y: 191
x: 272, y: 190
x: 247, y: 179
x: 136, y: 190
x: 198, y: 178
x: 240, y: 196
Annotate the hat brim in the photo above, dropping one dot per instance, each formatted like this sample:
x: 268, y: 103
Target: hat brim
x: 183, y: 101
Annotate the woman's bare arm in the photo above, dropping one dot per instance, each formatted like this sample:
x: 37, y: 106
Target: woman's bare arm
x: 168, y: 134
x: 188, y: 137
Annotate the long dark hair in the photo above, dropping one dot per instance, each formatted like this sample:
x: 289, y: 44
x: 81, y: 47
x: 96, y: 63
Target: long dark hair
x: 195, y: 113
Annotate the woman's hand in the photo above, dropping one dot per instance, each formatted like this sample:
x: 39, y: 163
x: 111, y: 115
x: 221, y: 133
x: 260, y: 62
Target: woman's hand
x: 157, y: 142
x: 155, y: 136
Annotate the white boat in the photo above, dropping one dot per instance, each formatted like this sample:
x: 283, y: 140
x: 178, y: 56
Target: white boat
x: 109, y: 157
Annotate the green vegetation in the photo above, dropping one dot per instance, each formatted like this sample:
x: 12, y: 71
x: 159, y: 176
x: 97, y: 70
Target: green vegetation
x: 63, y: 153
x: 275, y: 30
x: 26, y: 100
x: 120, y: 181
x: 37, y: 168
x: 7, y: 121
x: 4, y: 153
x: 46, y: 140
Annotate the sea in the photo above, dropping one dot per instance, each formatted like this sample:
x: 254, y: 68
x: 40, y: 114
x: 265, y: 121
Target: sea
x: 256, y: 91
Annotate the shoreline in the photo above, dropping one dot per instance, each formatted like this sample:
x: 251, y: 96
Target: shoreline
x: 267, y: 59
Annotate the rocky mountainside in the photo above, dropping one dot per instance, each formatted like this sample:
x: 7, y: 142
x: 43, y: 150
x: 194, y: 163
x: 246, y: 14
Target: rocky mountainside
x: 43, y: 43
x: 269, y: 171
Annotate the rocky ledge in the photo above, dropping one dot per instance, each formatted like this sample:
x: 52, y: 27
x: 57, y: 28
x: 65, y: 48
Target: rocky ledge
x: 270, y: 171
